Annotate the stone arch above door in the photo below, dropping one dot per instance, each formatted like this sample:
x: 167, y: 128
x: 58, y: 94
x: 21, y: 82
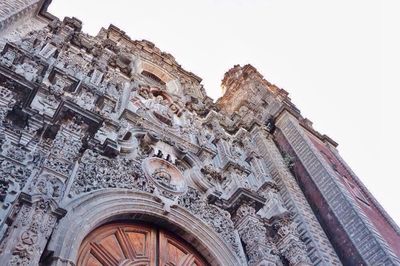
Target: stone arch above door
x: 110, y: 205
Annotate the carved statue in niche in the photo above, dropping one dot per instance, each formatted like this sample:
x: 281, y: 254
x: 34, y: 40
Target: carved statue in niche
x: 241, y: 177
x: 28, y: 69
x: 184, y: 124
x: 28, y: 42
x: 112, y: 90
x: 144, y: 92
x: 236, y: 151
x: 86, y: 100
x: 8, y: 58
x: 274, y: 205
x: 57, y: 88
x: 48, y: 102
x: 204, y: 135
x: 161, y: 106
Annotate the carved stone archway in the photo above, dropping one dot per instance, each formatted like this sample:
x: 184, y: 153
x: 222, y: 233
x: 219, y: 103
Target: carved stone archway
x: 110, y: 205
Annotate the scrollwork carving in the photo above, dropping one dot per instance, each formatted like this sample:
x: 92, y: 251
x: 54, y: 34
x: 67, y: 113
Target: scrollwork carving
x: 97, y: 172
x: 217, y: 218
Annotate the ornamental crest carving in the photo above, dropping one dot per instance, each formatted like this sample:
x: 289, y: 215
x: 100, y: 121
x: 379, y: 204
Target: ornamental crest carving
x: 168, y: 179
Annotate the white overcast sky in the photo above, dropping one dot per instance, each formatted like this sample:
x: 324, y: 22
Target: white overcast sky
x: 339, y: 60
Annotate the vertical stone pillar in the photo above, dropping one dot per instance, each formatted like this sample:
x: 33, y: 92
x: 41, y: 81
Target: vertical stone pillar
x: 36, y: 212
x: 34, y: 222
x: 65, y: 150
x: 341, y: 213
x: 6, y: 103
x: 254, y: 235
x: 319, y: 249
x: 288, y: 242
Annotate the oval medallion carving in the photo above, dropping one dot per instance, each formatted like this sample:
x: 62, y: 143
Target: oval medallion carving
x: 164, y: 175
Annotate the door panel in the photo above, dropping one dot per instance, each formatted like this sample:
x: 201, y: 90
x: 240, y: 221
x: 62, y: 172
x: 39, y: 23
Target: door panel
x: 119, y: 244
x: 174, y: 252
x: 123, y: 244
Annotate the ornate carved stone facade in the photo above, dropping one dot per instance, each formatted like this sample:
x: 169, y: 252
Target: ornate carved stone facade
x: 98, y: 129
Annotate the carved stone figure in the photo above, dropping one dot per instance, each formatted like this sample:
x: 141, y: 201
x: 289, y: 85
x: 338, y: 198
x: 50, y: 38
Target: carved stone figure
x: 27, y: 70
x: 274, y: 205
x: 8, y: 58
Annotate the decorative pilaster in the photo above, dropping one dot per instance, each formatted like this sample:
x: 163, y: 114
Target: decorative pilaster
x: 6, y: 103
x: 318, y: 246
x: 254, y: 235
x: 35, y: 218
x: 65, y: 149
x: 288, y: 242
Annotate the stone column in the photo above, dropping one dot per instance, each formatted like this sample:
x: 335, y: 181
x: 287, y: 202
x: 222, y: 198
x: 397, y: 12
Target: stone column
x: 319, y: 248
x: 6, y: 103
x: 288, y: 242
x: 254, y: 235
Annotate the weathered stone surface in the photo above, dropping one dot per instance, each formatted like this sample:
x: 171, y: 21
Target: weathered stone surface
x: 96, y: 129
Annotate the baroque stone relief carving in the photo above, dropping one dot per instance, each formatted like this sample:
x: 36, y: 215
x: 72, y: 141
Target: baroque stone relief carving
x: 174, y: 147
x: 253, y: 233
x: 288, y: 241
x: 97, y: 172
x: 33, y: 225
x: 217, y: 218
x: 167, y: 178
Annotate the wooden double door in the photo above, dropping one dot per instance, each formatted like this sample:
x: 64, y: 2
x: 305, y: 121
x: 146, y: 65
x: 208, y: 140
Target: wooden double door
x: 124, y: 244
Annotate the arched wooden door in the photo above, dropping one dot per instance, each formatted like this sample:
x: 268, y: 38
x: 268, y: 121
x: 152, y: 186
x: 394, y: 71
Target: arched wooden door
x: 122, y: 244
